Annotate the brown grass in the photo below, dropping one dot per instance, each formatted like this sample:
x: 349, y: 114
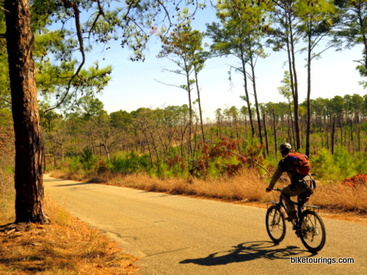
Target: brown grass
x: 7, y: 195
x: 247, y: 186
x: 244, y: 186
x: 342, y: 198
x: 66, y: 246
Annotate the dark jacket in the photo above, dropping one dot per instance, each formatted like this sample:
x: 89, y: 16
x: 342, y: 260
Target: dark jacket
x: 287, y: 164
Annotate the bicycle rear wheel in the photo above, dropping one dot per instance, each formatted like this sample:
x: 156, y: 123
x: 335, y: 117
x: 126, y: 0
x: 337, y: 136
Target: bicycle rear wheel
x: 312, y: 231
x: 275, y: 224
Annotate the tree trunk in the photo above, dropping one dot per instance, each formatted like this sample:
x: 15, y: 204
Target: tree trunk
x: 308, y: 127
x: 189, y: 142
x: 333, y: 135
x: 266, y: 135
x: 252, y: 64
x: 247, y: 96
x: 275, y: 134
x: 294, y: 80
x: 28, y: 156
x: 199, y: 102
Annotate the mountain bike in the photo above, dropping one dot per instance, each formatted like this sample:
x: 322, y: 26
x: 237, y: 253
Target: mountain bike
x: 308, y: 226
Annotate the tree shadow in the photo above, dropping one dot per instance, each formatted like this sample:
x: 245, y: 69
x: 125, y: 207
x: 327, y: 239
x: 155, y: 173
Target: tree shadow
x: 248, y: 251
x: 54, y: 180
x: 74, y: 184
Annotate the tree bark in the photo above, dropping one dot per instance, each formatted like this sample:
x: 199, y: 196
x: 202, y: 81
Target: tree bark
x: 247, y: 96
x: 252, y: 65
x: 308, y: 126
x: 28, y: 156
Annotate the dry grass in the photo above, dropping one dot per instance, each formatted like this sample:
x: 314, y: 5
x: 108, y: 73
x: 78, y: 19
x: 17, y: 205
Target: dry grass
x: 7, y: 195
x: 248, y: 187
x: 66, y: 246
x: 245, y: 186
x: 341, y: 198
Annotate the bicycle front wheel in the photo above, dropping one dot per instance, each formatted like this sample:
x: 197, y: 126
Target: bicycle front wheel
x: 275, y: 224
x: 312, y: 231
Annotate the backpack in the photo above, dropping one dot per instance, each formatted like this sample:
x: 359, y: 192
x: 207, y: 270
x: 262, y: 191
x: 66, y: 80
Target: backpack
x: 302, y: 166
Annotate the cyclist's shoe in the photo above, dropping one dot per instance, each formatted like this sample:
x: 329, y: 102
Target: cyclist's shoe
x: 295, y: 225
x: 292, y: 215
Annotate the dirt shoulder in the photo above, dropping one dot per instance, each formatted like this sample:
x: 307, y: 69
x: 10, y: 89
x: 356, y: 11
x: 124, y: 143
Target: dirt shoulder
x: 66, y: 246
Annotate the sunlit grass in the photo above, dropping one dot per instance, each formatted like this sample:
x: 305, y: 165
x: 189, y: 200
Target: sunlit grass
x: 247, y: 186
x: 66, y: 246
x: 7, y: 198
x: 340, y: 197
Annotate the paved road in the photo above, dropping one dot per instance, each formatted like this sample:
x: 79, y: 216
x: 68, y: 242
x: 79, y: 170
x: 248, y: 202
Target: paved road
x: 181, y: 235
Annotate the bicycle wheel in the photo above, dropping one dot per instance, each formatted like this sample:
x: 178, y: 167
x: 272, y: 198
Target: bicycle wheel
x: 312, y: 231
x: 275, y: 224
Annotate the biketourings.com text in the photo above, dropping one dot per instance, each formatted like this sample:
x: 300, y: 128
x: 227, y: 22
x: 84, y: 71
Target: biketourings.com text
x: 321, y: 260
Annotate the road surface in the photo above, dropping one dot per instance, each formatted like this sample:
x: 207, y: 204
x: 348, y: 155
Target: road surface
x: 182, y: 235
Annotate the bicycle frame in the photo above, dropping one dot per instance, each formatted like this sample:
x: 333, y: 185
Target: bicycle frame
x: 308, y: 226
x: 301, y: 203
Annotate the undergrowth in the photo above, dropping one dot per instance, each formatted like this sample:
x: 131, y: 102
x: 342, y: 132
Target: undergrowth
x: 66, y: 246
x: 245, y: 186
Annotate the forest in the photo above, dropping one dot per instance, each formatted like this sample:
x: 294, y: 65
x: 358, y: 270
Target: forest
x: 49, y: 93
x: 157, y: 142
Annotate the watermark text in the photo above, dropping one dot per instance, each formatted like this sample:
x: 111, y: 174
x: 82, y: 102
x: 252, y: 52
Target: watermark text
x: 321, y: 260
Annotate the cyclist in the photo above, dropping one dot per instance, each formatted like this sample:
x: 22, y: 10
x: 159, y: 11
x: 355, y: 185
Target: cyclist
x: 289, y: 164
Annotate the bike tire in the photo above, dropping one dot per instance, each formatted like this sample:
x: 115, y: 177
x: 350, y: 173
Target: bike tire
x: 275, y: 224
x: 312, y: 231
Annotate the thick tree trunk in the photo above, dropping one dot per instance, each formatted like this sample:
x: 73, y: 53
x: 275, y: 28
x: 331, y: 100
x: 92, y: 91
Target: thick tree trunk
x: 28, y: 158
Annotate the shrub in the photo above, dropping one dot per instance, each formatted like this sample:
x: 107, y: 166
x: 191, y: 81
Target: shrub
x: 339, y: 166
x: 131, y: 163
x: 323, y: 164
x: 87, y: 159
x: 361, y: 163
x: 75, y: 164
x: 345, y: 162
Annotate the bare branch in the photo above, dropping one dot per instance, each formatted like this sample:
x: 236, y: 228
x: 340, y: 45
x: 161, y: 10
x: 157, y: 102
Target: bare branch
x: 5, y: 100
x: 74, y: 6
x: 167, y: 84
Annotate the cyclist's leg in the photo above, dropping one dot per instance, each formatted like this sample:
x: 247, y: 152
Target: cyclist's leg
x: 291, y: 190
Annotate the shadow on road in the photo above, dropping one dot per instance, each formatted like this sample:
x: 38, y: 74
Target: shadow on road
x: 249, y: 251
x: 54, y: 180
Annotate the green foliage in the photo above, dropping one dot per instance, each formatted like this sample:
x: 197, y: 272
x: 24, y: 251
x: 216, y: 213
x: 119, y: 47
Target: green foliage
x: 74, y: 164
x: 361, y: 163
x: 339, y: 166
x: 364, y: 126
x: 323, y: 164
x: 130, y: 163
x: 175, y: 165
x: 87, y: 159
x: 345, y: 162
x: 163, y: 171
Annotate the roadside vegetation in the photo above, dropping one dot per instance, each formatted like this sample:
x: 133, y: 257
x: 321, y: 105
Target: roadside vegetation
x: 169, y: 149
x: 230, y: 169
x: 334, y: 197
x: 65, y: 246
x: 152, y: 149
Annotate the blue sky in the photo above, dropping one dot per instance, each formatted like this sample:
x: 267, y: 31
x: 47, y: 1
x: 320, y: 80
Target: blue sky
x: 139, y: 84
